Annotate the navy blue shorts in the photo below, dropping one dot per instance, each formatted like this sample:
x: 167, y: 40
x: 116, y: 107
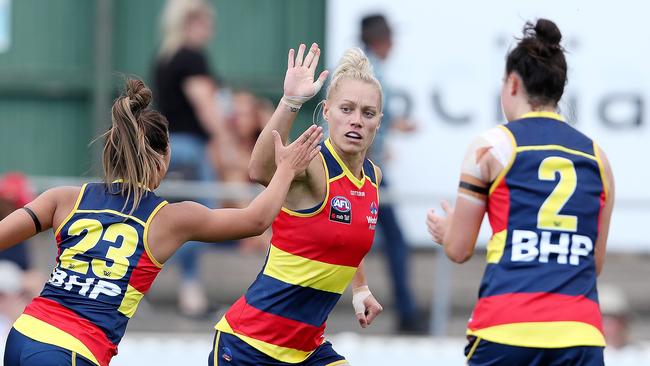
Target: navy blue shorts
x: 232, y: 351
x: 480, y: 352
x: 24, y: 351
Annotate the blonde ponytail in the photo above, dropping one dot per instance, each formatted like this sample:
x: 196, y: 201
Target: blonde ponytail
x: 353, y: 65
x: 136, y: 143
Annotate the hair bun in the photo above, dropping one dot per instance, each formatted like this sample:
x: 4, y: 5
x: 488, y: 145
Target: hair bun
x: 547, y: 32
x: 139, y: 95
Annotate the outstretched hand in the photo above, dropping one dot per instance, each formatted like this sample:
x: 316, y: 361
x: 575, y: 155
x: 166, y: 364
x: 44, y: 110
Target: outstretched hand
x: 437, y: 225
x: 297, y: 155
x: 299, y: 84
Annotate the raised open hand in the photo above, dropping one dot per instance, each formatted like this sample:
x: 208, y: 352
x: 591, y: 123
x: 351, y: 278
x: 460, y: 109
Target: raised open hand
x: 299, y: 153
x: 299, y: 84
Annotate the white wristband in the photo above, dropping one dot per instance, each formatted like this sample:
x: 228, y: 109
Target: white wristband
x: 359, y: 295
x: 295, y: 102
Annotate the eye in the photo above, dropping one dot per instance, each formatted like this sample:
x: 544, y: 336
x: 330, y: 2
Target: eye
x: 346, y: 109
x: 369, y: 114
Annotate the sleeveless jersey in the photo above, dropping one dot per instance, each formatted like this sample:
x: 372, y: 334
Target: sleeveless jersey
x: 539, y: 286
x: 103, y: 269
x: 313, y: 256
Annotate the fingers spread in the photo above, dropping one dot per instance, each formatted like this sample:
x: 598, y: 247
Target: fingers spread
x: 301, y: 53
x: 290, y: 62
x: 310, y: 55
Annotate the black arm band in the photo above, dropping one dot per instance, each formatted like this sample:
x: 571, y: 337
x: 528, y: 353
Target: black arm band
x: 474, y: 188
x: 37, y: 223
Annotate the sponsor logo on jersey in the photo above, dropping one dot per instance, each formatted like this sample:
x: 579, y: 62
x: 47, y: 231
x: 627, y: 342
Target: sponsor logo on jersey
x: 372, y: 219
x: 341, y: 210
x: 373, y: 208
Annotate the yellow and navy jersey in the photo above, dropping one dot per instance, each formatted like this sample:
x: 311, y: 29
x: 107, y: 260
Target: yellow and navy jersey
x: 539, y: 286
x: 313, y: 256
x: 103, y: 269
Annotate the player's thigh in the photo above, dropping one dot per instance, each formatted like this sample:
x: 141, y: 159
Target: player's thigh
x: 576, y: 356
x: 325, y: 355
x: 24, y: 351
x: 229, y: 350
x: 480, y: 352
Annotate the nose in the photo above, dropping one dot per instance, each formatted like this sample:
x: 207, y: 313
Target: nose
x: 355, y: 119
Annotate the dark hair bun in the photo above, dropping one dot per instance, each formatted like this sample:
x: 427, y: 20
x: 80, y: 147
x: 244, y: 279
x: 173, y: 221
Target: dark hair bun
x: 547, y: 32
x: 139, y: 95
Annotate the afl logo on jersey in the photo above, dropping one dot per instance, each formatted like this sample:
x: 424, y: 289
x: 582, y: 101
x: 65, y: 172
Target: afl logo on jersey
x: 341, y: 203
x: 340, y: 210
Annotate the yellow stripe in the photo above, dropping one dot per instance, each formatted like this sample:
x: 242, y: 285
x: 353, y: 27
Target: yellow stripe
x: 356, y: 181
x: 216, y: 349
x: 113, y: 212
x: 130, y: 301
x: 304, y: 272
x: 473, y: 349
x: 506, y: 168
x: 323, y: 204
x: 559, y: 334
x: 283, y: 354
x: 74, y: 359
x: 337, y: 363
x: 543, y: 114
x: 555, y: 147
x: 43, y: 332
x: 495, y: 247
x: 74, y: 209
x: 601, y: 167
x: 146, y: 234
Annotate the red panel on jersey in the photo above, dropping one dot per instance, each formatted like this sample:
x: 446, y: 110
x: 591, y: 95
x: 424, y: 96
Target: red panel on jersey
x: 252, y: 322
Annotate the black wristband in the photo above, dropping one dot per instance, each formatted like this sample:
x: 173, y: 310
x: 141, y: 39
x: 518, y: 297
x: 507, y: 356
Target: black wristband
x: 474, y: 188
x: 37, y: 223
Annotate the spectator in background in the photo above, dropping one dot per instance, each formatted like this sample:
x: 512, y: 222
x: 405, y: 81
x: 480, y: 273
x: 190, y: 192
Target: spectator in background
x: 15, y: 192
x: 186, y: 93
x: 247, y: 119
x: 376, y: 36
x: 615, y: 307
x: 12, y: 300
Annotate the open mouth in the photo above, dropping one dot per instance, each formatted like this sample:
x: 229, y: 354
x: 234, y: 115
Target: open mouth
x: 353, y: 135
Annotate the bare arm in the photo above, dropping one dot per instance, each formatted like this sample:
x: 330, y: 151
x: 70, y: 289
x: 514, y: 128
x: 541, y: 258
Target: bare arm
x: 49, y: 208
x: 200, y: 91
x: 458, y: 230
x: 299, y: 87
x: 185, y: 221
x: 366, y: 307
x: 606, y: 215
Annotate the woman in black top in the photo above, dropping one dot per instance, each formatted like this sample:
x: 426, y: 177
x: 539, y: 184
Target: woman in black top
x: 186, y: 94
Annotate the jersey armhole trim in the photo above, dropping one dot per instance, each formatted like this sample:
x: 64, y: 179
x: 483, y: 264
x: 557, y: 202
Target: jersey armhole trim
x: 72, y: 212
x: 601, y: 167
x: 322, y: 205
x: 146, y: 233
x: 506, y: 169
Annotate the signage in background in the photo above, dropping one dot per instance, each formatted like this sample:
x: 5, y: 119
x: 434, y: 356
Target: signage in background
x: 448, y: 62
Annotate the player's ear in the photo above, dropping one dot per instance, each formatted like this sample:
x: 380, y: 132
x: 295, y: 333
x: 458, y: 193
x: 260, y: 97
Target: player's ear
x: 326, y: 110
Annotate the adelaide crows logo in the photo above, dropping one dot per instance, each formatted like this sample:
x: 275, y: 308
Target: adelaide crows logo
x: 341, y: 210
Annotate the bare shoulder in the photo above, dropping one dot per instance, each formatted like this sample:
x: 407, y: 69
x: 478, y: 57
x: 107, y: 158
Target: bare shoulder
x: 63, y: 194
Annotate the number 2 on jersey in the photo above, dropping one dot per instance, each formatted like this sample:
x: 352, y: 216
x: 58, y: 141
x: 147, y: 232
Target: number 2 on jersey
x: 94, y: 233
x: 549, y: 216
